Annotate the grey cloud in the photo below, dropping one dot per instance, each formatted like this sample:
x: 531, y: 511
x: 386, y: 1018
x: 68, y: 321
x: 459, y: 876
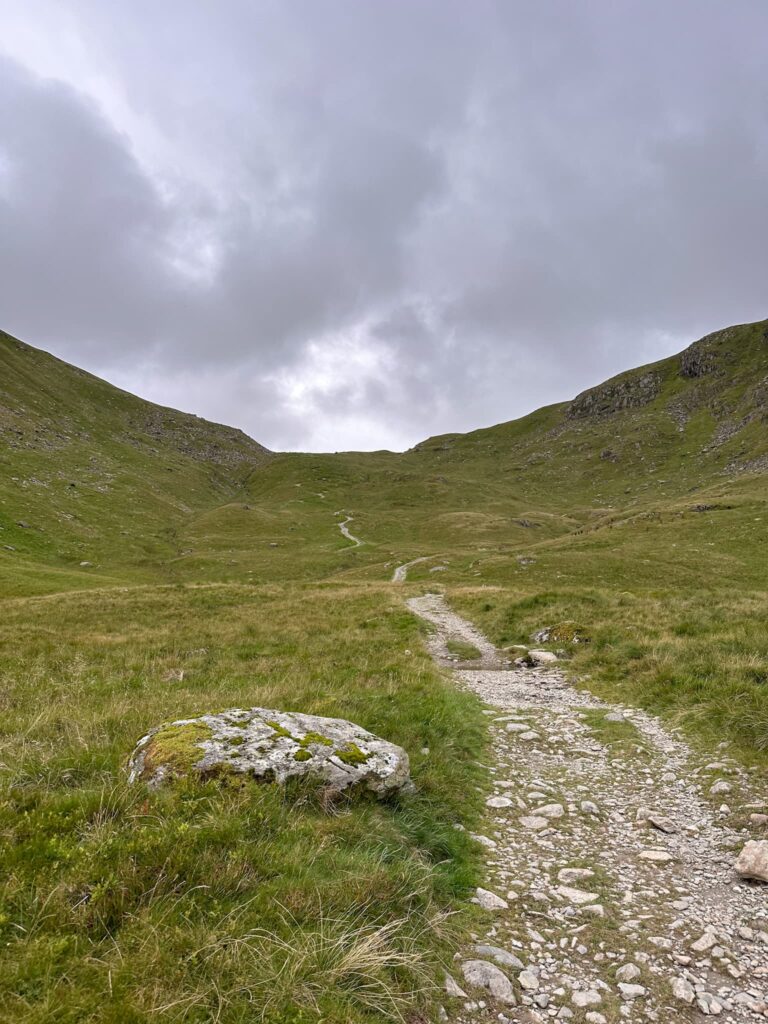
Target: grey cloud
x: 397, y: 218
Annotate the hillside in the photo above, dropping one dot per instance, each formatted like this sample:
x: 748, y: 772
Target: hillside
x: 89, y: 473
x: 99, y: 476
x: 656, y: 444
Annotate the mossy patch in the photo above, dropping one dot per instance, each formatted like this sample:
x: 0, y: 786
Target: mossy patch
x: 177, y: 746
x: 302, y: 755
x: 315, y: 737
x: 280, y: 730
x: 566, y: 633
x: 351, y: 754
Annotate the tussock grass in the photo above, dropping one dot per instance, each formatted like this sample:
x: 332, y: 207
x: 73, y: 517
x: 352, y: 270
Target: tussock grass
x: 204, y: 902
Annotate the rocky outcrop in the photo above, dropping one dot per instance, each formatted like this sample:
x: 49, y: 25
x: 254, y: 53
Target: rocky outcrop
x: 700, y: 358
x: 271, y: 746
x: 630, y: 391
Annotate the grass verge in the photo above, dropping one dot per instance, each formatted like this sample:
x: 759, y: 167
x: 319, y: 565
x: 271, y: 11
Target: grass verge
x: 224, y: 902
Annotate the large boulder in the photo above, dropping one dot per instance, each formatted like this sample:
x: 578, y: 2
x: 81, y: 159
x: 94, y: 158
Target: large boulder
x: 272, y: 746
x: 752, y: 862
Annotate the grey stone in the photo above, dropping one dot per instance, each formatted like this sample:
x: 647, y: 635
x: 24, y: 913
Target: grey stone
x: 576, y: 896
x: 489, y: 900
x: 707, y: 941
x: 498, y: 801
x: 533, y: 822
x: 569, y: 875
x: 501, y: 956
x: 683, y: 990
x: 273, y: 746
x: 709, y: 1004
x: 720, y: 787
x: 587, y: 998
x: 551, y: 811
x: 630, y: 992
x: 454, y: 990
x: 484, y: 975
x: 528, y: 981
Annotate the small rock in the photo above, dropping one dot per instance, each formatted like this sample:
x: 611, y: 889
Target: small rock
x: 708, y: 1004
x: 501, y: 956
x: 707, y: 941
x: 720, y: 787
x: 628, y: 972
x: 588, y: 998
x: 532, y: 821
x: 453, y: 990
x: 498, y: 801
x: 529, y: 735
x: 551, y: 811
x: 576, y: 896
x: 661, y: 823
x: 528, y: 981
x: 489, y: 900
x: 542, y: 657
x: 594, y: 909
x: 587, y: 807
x: 656, y: 856
x: 483, y: 840
x: 481, y: 974
x: 683, y: 990
x: 752, y: 862
x: 630, y: 992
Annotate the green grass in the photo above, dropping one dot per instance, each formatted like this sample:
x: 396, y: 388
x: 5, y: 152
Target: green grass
x: 463, y: 650
x: 242, y: 901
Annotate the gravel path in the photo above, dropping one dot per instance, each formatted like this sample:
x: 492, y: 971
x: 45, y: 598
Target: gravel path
x: 356, y: 542
x: 611, y: 893
x: 400, y: 575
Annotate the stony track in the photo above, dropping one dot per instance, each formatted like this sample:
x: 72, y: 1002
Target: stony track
x: 611, y: 893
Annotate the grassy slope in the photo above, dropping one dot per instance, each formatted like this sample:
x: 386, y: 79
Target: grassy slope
x: 97, y: 475
x: 646, y: 524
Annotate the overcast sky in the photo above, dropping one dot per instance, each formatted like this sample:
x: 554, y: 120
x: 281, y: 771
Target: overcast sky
x: 355, y: 223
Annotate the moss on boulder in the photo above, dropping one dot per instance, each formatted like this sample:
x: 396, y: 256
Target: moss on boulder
x: 270, y: 746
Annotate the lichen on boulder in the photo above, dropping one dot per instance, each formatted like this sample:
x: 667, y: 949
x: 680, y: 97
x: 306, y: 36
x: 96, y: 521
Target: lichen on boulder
x: 270, y: 746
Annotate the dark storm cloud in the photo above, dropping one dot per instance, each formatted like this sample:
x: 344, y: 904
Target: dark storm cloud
x: 346, y: 225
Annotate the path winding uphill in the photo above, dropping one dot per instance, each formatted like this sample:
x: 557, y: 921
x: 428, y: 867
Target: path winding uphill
x: 612, y: 894
x: 400, y: 575
x: 356, y: 542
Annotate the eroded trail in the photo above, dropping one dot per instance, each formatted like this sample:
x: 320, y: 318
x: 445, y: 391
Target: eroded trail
x: 345, y: 531
x: 611, y: 893
x: 400, y: 575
